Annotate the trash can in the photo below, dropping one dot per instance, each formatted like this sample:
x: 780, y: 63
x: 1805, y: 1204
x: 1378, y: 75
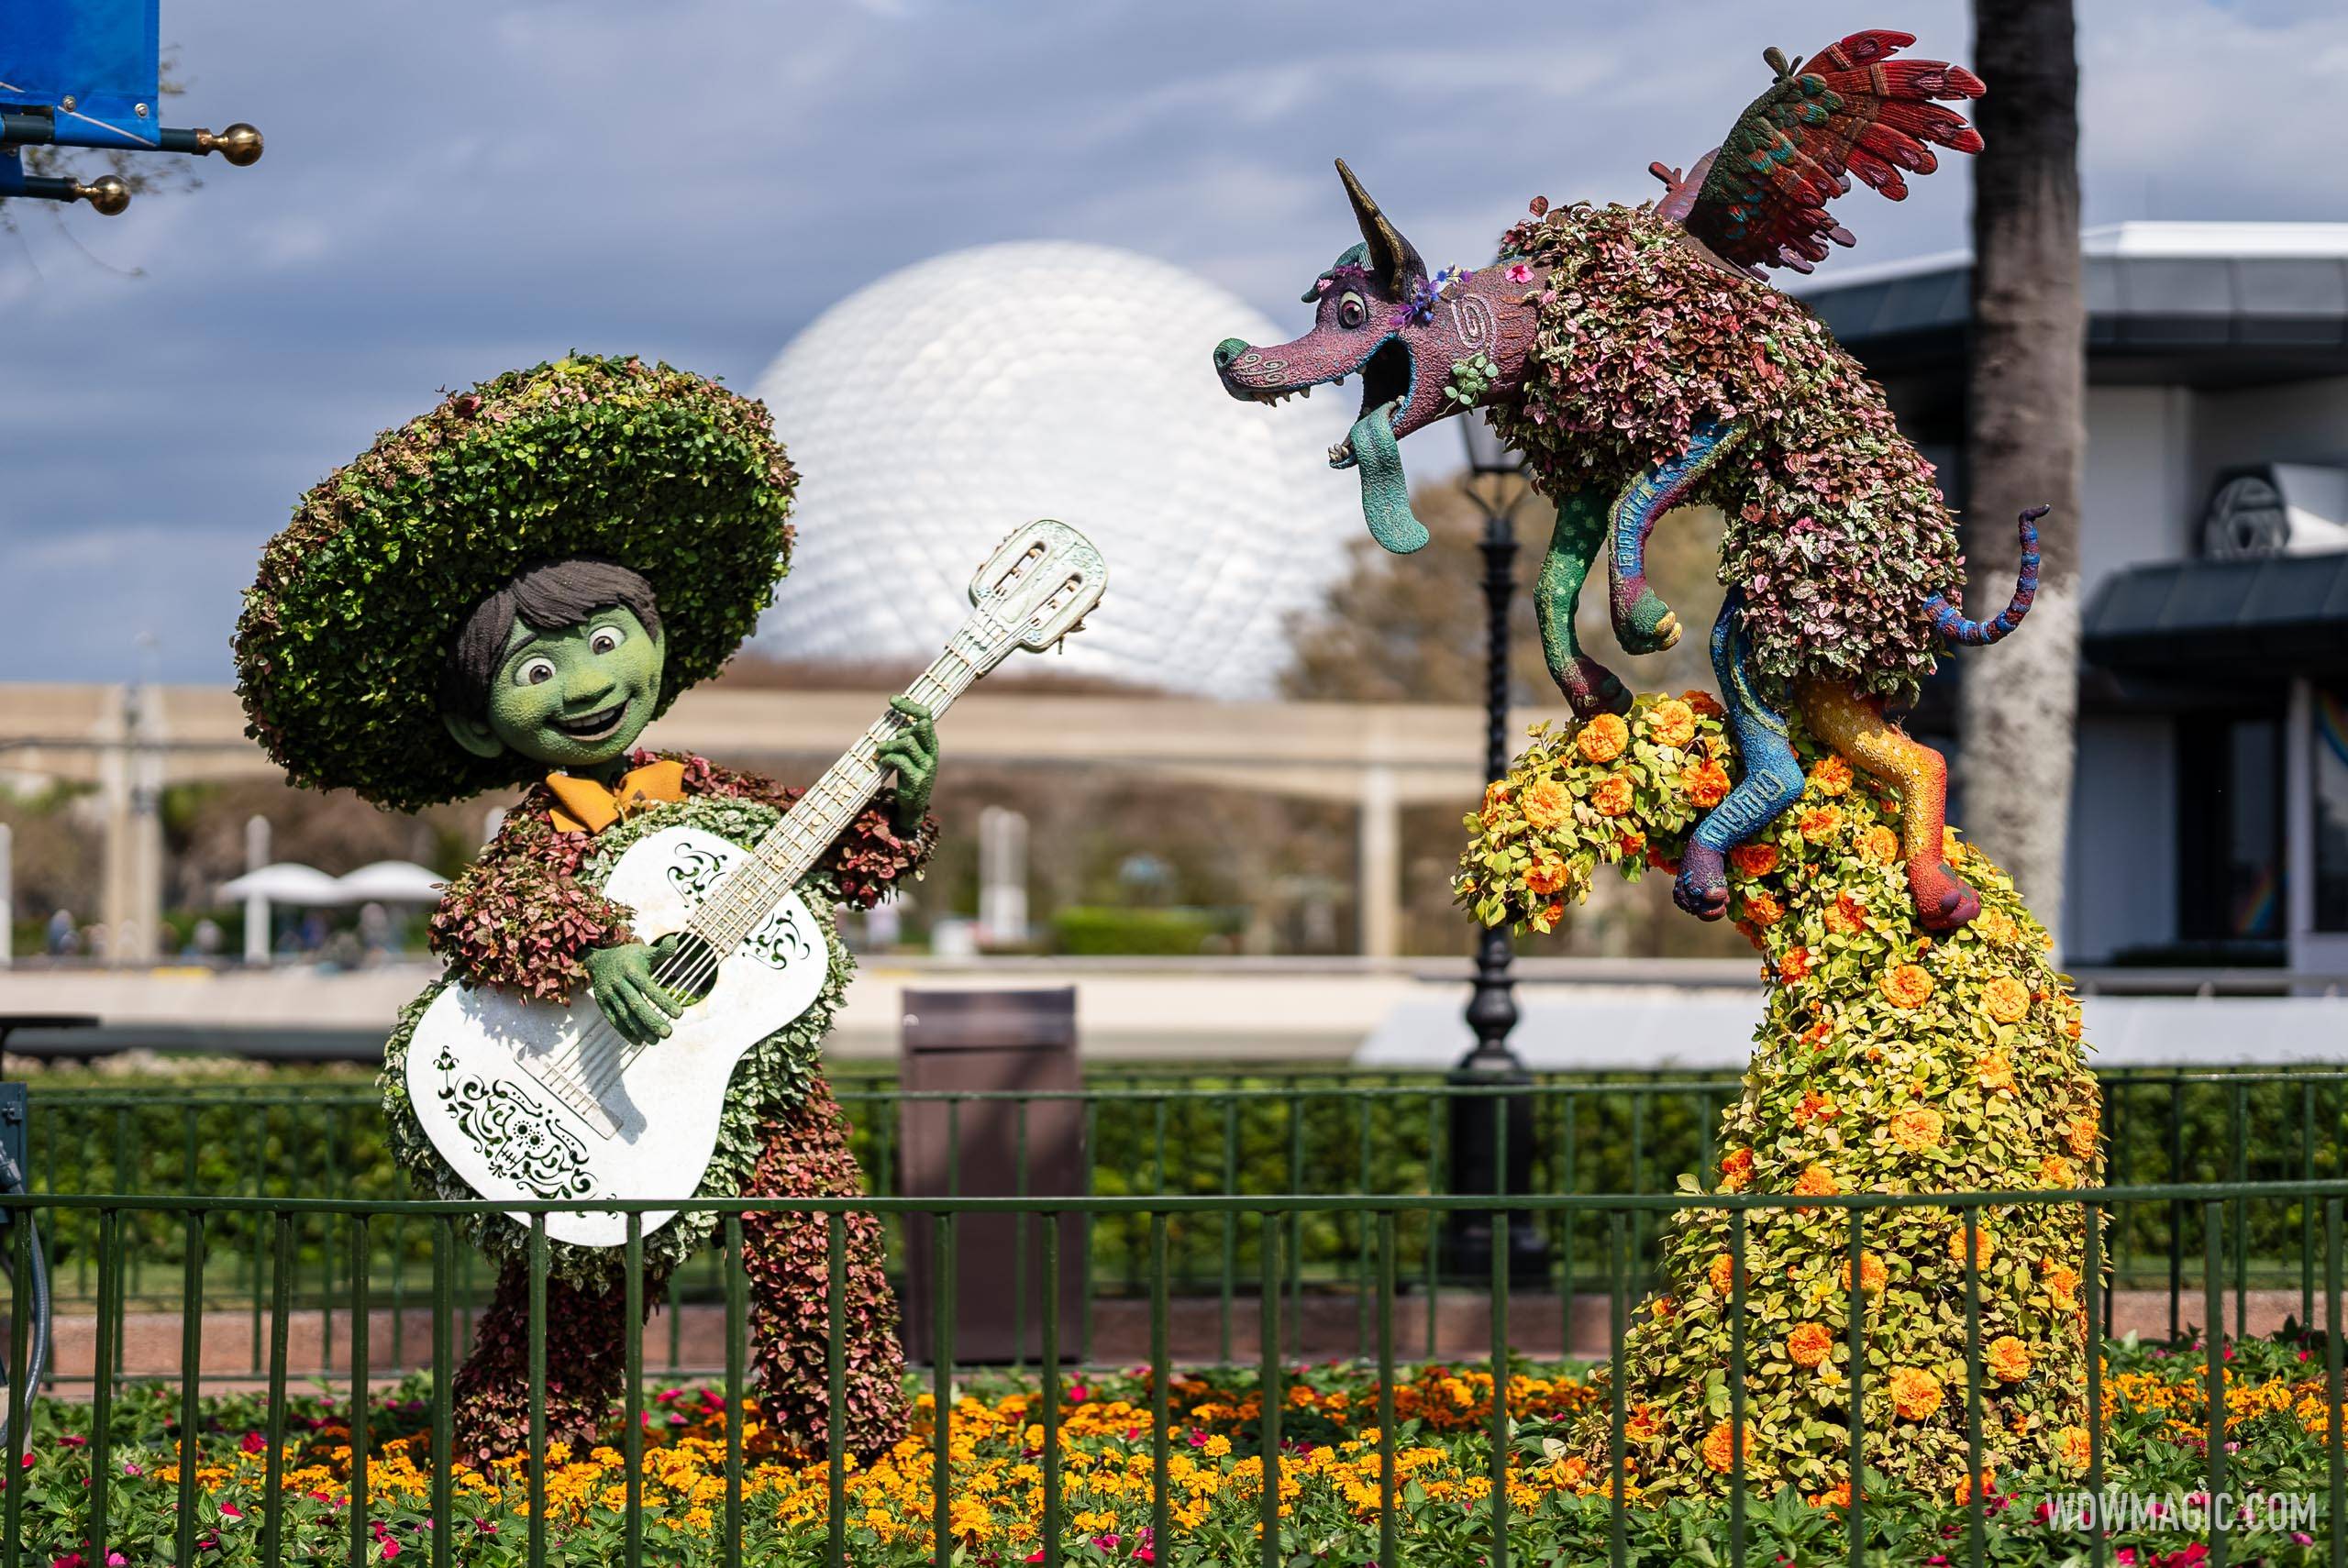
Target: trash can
x: 965, y: 1130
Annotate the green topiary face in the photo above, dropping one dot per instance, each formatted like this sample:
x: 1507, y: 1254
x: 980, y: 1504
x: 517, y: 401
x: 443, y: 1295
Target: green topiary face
x: 346, y: 631
x: 575, y: 697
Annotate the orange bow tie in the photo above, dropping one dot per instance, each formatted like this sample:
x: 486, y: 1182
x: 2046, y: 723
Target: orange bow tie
x: 587, y: 806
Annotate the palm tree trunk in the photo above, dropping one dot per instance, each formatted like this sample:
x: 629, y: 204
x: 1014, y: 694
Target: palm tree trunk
x: 2026, y: 439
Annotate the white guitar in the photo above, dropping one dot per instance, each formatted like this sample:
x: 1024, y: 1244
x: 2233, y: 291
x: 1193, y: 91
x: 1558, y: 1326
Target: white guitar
x: 532, y: 1100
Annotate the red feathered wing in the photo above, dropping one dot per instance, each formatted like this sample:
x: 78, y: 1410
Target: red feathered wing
x: 1759, y: 200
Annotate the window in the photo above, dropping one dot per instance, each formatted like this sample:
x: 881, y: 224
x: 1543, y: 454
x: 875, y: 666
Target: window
x: 2229, y: 822
x: 2328, y: 752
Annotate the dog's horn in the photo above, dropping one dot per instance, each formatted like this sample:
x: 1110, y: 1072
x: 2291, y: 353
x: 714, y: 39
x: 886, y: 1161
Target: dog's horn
x: 1394, y: 258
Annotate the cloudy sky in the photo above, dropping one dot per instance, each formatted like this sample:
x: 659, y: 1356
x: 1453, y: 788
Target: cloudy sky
x: 457, y: 186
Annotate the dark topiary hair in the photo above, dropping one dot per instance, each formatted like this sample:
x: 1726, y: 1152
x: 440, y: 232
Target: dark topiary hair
x: 545, y: 599
x: 347, y: 629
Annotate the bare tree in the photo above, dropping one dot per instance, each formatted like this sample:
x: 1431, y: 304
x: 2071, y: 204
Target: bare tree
x: 2026, y: 437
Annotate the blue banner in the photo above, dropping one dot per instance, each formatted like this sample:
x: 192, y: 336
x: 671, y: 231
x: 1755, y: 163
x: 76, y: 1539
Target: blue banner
x: 99, y: 56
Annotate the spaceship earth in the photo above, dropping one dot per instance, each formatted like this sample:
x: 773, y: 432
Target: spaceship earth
x: 936, y: 409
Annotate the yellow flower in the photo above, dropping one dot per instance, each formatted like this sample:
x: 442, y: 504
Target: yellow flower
x: 1810, y: 1345
x: 1996, y: 1070
x: 1950, y: 846
x: 1880, y: 844
x: 1982, y: 1248
x: 2006, y: 998
x: 1914, y: 1394
x: 1720, y: 1446
x: 2062, y: 1283
x: 2071, y: 1447
x: 2009, y: 1359
x: 1871, y: 1273
x: 1917, y: 1129
x: 1907, y: 985
x: 1548, y: 803
x: 1816, y: 1181
x: 2080, y: 1134
x: 1612, y: 797
x: 1997, y: 926
x: 1603, y: 738
x: 2054, y: 1171
x: 1671, y: 723
x: 1832, y: 776
x: 1705, y: 783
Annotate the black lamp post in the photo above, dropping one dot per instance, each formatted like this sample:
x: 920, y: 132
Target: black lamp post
x: 1479, y: 1122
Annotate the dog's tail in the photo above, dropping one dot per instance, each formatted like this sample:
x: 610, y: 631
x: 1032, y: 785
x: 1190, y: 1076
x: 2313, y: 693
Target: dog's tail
x: 1951, y: 622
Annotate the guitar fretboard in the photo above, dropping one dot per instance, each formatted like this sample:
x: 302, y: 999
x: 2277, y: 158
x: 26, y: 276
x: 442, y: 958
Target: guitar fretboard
x: 740, y: 903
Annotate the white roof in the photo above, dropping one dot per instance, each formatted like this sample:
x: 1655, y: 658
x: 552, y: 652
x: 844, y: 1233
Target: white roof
x: 2144, y: 240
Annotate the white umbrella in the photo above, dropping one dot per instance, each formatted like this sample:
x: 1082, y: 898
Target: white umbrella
x: 390, y: 882
x: 287, y: 883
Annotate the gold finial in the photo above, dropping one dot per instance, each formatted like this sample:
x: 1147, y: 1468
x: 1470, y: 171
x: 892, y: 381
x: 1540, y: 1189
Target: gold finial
x: 105, y: 194
x: 241, y: 144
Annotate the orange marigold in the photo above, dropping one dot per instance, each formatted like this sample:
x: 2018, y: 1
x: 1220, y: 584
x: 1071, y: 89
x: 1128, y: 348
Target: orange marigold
x: 2009, y: 1359
x: 1641, y: 1426
x: 2072, y: 1447
x: 2006, y: 998
x: 1631, y: 844
x: 1907, y: 985
x: 2062, y: 1282
x: 1702, y: 702
x: 1763, y: 909
x: 2072, y: 1028
x: 2054, y: 1171
x: 1838, y: 1496
x: 1819, y: 824
x: 1915, y: 1394
x: 1612, y: 797
x: 1810, y: 1345
x: 1736, y: 1170
x: 1545, y: 875
x: 1965, y: 1487
x: 1871, y: 1273
x: 1814, y: 1107
x: 1917, y: 1129
x: 1547, y: 803
x: 1832, y: 776
x: 1794, y: 965
x: 1753, y: 859
x: 1671, y: 723
x: 1603, y: 738
x: 1880, y: 844
x: 2080, y: 1134
x: 1845, y: 915
x: 1983, y: 1248
x: 1996, y: 1070
x: 1816, y: 1181
x: 1721, y: 1276
x: 1705, y: 783
x: 1721, y: 1447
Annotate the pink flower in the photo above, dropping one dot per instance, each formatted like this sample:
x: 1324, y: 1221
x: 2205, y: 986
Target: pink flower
x: 75, y: 1439
x: 1518, y: 272
x: 254, y: 1443
x: 231, y: 1511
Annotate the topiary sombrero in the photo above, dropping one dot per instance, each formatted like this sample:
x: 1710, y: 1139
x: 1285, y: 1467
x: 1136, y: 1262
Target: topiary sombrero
x: 345, y: 631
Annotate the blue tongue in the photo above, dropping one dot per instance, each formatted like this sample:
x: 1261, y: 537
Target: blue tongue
x: 1385, y: 492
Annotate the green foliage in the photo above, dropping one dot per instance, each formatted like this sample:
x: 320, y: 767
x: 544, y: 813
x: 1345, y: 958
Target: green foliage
x: 345, y: 631
x: 1094, y: 929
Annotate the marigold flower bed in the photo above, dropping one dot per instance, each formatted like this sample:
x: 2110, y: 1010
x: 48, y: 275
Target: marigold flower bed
x: 2155, y: 1406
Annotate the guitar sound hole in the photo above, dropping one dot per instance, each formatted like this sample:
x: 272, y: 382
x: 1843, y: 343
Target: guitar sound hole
x: 686, y: 967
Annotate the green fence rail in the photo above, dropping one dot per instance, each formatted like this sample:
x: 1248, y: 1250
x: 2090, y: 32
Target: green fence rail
x: 1297, y: 1133
x: 117, y: 1400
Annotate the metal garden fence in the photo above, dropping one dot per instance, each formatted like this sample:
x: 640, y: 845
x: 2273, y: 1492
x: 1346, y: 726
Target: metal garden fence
x: 1379, y: 1220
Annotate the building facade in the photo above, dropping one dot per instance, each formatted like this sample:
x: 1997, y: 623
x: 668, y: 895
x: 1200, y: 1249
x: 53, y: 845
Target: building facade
x: 2210, y: 817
